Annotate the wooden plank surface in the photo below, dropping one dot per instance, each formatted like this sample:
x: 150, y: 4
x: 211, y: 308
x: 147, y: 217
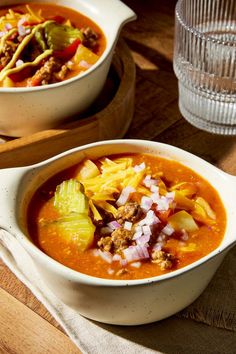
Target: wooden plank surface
x: 23, y: 331
x: 156, y: 117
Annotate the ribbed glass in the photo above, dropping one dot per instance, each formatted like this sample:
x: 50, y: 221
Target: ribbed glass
x: 205, y: 63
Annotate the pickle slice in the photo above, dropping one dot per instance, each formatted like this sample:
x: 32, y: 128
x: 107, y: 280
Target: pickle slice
x: 76, y: 228
x: 68, y: 198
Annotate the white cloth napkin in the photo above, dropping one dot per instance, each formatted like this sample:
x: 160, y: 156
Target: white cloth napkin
x: 89, y: 336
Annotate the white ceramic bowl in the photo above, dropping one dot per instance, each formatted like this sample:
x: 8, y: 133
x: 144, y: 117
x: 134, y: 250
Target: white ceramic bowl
x: 123, y: 302
x: 24, y: 111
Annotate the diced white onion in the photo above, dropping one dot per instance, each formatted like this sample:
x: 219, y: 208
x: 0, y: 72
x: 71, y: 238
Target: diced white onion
x: 21, y: 30
x: 148, y: 181
x: 158, y: 246
x: 128, y: 225
x: 161, y: 237
x: 168, y: 230
x: 137, y: 234
x: 106, y: 256
x: 170, y: 195
x: 136, y: 264
x: 146, y: 203
x: 21, y: 21
x: 146, y: 230
x: 114, y: 225
x: 155, y: 197
x: 95, y: 252
x: 162, y: 204
x: 147, y: 178
x: 150, y: 219
x: 8, y: 26
x: 135, y: 253
x: 116, y: 257
x: 143, y: 240
x: 138, y: 228
x: 123, y: 262
x: 124, y: 196
x: 154, y: 189
x: 140, y: 167
x: 84, y: 64
x: 110, y: 271
x: 19, y: 63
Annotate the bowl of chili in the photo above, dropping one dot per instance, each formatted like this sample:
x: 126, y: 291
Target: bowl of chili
x: 126, y: 231
x: 54, y: 59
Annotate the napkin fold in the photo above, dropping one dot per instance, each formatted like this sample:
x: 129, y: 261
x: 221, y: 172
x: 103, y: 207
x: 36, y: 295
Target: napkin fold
x: 216, y: 306
x: 89, y: 336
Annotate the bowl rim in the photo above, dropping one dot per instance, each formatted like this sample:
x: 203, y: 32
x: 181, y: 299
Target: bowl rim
x: 77, y: 276
x: 108, y: 49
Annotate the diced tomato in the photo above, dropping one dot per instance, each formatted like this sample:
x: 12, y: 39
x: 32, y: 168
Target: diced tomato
x: 69, y: 51
x: 58, y: 19
x: 21, y: 75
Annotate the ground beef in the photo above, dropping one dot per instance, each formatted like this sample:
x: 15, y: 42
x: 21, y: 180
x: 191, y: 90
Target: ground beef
x: 163, y: 259
x: 129, y: 212
x: 90, y: 38
x: 121, y: 239
x: 61, y: 75
x: 44, y: 75
x: 105, y: 243
x: 8, y: 51
x: 117, y: 241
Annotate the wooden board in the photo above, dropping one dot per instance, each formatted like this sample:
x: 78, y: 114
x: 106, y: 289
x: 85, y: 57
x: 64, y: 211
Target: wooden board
x: 108, y: 118
x: 156, y: 118
x: 25, y: 320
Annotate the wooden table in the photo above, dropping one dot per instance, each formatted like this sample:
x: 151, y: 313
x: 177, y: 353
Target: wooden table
x: 25, y: 325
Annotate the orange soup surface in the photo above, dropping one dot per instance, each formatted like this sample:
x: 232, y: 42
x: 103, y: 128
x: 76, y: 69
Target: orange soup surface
x: 42, y: 44
x: 126, y: 217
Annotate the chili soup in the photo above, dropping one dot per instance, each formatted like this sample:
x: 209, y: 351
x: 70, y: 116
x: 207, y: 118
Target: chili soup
x: 43, y: 44
x: 126, y: 217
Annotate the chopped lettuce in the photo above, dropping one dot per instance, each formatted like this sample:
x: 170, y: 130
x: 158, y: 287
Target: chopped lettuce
x: 61, y: 36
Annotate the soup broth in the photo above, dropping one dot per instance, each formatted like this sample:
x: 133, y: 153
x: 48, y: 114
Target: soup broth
x: 43, y: 44
x: 126, y: 217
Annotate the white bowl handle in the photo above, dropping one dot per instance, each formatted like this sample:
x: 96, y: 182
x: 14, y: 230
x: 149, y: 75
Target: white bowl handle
x: 124, y: 13
x: 231, y: 179
x: 118, y: 11
x: 10, y: 180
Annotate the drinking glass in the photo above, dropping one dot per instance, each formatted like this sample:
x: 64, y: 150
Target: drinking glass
x: 205, y: 63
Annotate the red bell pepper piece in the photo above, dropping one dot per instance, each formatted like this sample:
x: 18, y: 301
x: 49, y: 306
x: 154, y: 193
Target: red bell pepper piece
x: 21, y: 75
x: 69, y: 51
